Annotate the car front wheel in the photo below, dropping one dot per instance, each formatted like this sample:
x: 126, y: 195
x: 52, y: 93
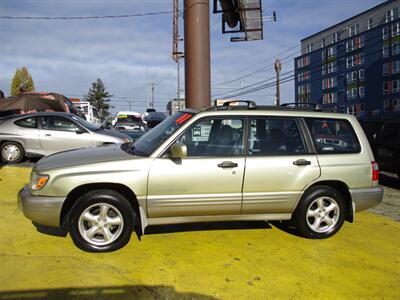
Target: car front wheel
x: 101, y: 221
x: 12, y: 152
x: 320, y: 213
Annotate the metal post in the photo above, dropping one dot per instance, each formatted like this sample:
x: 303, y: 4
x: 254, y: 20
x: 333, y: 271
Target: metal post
x: 278, y: 68
x: 197, y: 54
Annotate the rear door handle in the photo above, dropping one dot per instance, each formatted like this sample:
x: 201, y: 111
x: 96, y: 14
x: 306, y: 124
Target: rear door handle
x: 47, y: 134
x: 302, y: 162
x: 227, y: 164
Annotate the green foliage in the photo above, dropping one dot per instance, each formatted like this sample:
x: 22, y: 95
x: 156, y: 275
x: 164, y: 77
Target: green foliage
x: 22, y: 82
x: 99, y: 98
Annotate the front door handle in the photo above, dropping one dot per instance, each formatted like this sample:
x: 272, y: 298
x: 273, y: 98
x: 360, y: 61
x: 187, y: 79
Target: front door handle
x: 227, y: 164
x: 302, y: 162
x: 47, y: 134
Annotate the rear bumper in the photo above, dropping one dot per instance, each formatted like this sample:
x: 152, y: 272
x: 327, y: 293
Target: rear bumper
x: 39, y: 209
x: 366, y: 198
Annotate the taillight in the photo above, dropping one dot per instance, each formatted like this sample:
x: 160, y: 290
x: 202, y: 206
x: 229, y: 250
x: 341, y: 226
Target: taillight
x: 375, y: 171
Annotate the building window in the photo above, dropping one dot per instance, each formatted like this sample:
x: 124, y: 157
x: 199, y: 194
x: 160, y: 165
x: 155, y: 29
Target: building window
x: 361, y: 92
x: 396, y: 104
x: 329, y: 98
x: 329, y: 83
x: 392, y: 14
x: 385, y: 69
x: 355, y: 43
x: 331, y: 67
x: 395, y: 29
x: 386, y: 87
x: 335, y: 37
x: 355, y: 60
x: 361, y: 74
x: 385, y: 51
x: 309, y: 48
x: 308, y: 88
x: 323, y: 43
x: 300, y: 90
x: 385, y: 33
x: 303, y: 61
x: 395, y: 48
x: 354, y: 29
x: 386, y: 105
x: 323, y: 69
x: 396, y: 86
x: 396, y: 67
x: 303, y: 76
x: 331, y: 51
x: 351, y: 77
x: 370, y: 23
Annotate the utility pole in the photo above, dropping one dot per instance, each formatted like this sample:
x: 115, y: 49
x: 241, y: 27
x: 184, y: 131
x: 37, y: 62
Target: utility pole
x: 152, y: 94
x: 278, y: 68
x: 176, y: 54
x: 197, y: 53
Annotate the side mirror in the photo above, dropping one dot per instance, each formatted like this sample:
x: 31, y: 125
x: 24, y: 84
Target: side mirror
x: 80, y: 131
x: 179, y: 151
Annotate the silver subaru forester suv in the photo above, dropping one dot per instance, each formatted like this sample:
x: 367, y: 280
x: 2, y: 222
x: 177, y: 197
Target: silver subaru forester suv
x: 245, y: 163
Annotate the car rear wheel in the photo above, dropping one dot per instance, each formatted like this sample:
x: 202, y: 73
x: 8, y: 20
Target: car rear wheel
x: 320, y: 213
x: 101, y: 221
x: 12, y: 152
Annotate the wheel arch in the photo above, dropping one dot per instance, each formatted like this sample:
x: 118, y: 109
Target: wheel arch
x: 81, y: 190
x: 343, y: 189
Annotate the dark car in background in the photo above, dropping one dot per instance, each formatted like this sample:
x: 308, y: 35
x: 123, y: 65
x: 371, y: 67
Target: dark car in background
x: 384, y: 137
x: 153, y: 118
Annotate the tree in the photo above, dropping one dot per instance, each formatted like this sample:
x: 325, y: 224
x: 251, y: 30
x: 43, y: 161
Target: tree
x: 22, y: 82
x: 99, y: 98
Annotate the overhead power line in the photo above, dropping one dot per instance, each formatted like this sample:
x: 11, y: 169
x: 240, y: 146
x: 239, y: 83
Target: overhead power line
x: 87, y: 17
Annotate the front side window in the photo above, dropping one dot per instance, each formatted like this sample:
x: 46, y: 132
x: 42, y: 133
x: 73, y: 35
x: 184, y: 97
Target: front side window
x: 214, y: 137
x: 150, y: 141
x: 275, y: 136
x: 332, y: 136
x: 27, y: 122
x: 58, y: 123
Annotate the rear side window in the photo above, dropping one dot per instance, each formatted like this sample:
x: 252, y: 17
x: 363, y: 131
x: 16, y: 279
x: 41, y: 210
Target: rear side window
x: 275, y: 136
x: 333, y: 136
x: 27, y: 122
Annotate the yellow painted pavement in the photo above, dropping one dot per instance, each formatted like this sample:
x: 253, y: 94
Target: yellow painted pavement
x: 208, y: 261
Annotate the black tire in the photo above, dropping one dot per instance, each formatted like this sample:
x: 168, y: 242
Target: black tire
x: 320, y: 223
x: 91, y: 203
x: 18, y: 150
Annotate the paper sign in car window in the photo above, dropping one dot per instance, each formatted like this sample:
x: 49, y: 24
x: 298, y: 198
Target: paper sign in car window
x: 201, y: 133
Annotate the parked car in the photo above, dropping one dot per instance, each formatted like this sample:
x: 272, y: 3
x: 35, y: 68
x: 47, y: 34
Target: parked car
x: 384, y: 137
x: 154, y: 118
x: 220, y: 164
x: 40, y: 134
x: 127, y: 116
x: 133, y: 129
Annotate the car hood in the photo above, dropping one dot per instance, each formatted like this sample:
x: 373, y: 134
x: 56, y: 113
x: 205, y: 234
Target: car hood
x: 113, y: 133
x: 84, y: 156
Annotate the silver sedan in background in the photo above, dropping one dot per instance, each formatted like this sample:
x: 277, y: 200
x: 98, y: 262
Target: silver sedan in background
x: 41, y: 134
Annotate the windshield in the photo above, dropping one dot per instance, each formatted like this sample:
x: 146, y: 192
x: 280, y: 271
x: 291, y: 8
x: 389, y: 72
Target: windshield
x: 85, y: 123
x: 149, y: 142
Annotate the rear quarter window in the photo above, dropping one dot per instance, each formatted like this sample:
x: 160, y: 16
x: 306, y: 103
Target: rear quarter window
x: 333, y: 136
x: 27, y: 122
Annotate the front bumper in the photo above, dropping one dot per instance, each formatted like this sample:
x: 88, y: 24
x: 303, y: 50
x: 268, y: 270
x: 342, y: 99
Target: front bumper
x: 366, y: 198
x: 39, y: 209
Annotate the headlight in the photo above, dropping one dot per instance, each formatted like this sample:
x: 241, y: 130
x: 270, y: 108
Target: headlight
x: 38, y: 181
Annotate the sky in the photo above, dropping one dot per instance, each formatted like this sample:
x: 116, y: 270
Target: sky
x: 129, y: 54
